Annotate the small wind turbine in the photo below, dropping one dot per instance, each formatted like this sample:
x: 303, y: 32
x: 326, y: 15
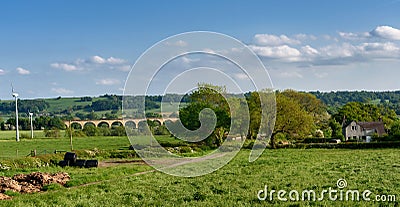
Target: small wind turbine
x: 15, y: 95
x: 30, y: 117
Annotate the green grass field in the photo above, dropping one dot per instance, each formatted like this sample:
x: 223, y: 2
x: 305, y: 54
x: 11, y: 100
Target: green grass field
x: 236, y: 184
x: 10, y: 134
x: 64, y: 103
x: 9, y: 147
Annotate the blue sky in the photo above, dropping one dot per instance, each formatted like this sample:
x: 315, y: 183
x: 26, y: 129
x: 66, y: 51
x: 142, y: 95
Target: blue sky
x: 76, y: 48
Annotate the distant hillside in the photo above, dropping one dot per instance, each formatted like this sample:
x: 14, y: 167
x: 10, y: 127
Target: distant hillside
x: 109, y: 106
x: 340, y: 98
x: 105, y: 106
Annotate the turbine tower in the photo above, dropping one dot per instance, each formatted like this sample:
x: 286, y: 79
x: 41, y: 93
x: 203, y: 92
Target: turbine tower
x: 15, y: 95
x: 30, y: 117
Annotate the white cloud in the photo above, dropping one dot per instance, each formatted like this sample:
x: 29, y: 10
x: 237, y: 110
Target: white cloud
x: 179, y: 43
x: 380, y: 50
x: 2, y: 72
x: 108, y: 82
x: 124, y: 68
x: 98, y: 59
x: 386, y: 32
x: 93, y: 62
x: 337, y: 51
x: 62, y: 91
x: 113, y: 60
x: 354, y: 36
x: 347, y: 35
x: 383, y: 32
x: 64, y: 66
x: 210, y: 51
x: 290, y: 74
x: 343, y: 49
x: 321, y: 75
x: 242, y: 76
x: 305, y: 37
x: 280, y: 52
x: 23, y: 71
x: 308, y: 50
x: 188, y: 60
x: 273, y: 40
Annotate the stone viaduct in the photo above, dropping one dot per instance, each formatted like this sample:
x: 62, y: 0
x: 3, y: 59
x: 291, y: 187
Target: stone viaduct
x: 123, y: 122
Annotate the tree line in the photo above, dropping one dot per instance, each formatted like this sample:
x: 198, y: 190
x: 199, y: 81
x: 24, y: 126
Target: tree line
x: 24, y: 106
x: 299, y: 115
x: 390, y: 99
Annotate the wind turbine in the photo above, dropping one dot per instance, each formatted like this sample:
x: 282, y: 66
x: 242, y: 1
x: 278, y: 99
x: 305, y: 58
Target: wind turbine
x: 15, y: 95
x: 30, y: 117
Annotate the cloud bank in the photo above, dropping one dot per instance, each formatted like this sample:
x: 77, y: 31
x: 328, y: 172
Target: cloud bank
x: 92, y: 63
x: 345, y: 48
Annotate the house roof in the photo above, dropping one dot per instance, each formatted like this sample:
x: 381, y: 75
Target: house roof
x: 377, y: 125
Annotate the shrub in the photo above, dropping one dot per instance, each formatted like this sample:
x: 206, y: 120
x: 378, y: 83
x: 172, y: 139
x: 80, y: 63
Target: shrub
x: 89, y: 130
x: 160, y: 130
x: 54, y: 132
x: 24, y: 136
x: 118, y: 131
x: 103, y: 131
x: 315, y: 140
x: 185, y: 149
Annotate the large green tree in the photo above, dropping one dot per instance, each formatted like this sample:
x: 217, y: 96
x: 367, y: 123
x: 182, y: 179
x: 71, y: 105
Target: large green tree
x: 336, y: 129
x: 253, y: 101
x: 311, y: 104
x: 291, y: 119
x: 207, y: 97
x: 297, y: 114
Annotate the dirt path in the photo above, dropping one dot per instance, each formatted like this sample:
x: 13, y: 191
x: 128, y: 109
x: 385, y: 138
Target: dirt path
x: 111, y: 163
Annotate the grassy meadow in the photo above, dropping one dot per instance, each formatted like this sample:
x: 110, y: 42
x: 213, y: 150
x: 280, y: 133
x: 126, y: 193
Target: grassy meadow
x: 42, y: 144
x: 235, y: 184
x: 9, y: 147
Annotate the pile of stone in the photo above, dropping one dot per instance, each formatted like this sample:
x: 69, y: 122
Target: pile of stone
x: 30, y: 183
